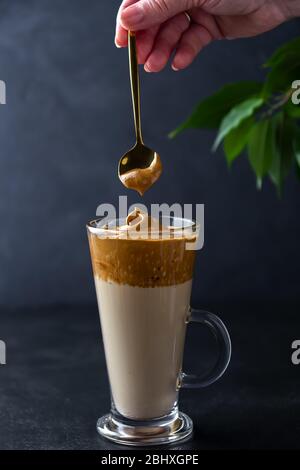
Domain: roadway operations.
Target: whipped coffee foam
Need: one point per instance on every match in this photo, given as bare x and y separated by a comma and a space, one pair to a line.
126, 255
139, 222
141, 179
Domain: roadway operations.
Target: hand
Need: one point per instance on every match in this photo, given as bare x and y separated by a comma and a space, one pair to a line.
186, 26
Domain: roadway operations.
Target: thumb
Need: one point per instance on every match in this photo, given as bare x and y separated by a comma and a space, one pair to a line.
147, 13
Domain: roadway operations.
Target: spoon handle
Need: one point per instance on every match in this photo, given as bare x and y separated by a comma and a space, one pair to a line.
135, 85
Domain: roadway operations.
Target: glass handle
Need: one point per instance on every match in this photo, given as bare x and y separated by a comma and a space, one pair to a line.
219, 330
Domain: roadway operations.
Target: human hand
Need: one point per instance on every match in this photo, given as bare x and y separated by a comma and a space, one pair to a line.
186, 26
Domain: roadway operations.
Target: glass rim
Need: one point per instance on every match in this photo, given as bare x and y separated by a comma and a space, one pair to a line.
93, 227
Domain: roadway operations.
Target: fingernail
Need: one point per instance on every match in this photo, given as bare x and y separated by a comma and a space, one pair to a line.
146, 68
175, 68
117, 45
133, 15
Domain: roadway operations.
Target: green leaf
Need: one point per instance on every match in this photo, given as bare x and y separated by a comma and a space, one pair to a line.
236, 140
210, 112
280, 79
259, 153
296, 146
285, 65
285, 131
286, 143
293, 110
298, 171
275, 171
288, 51
236, 116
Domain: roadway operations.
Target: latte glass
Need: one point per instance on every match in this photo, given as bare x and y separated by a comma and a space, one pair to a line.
143, 289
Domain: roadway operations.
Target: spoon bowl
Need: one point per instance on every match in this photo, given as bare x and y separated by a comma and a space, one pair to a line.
140, 167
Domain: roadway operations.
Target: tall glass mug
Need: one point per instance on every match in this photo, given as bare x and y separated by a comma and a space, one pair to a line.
143, 273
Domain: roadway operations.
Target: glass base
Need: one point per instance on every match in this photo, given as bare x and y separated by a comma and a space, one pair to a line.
146, 433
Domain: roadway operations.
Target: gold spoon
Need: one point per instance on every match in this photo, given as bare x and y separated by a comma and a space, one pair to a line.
140, 167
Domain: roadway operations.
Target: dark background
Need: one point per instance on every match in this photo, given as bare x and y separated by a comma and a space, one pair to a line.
67, 121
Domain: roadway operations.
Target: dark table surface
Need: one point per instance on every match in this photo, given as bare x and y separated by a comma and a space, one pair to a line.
54, 385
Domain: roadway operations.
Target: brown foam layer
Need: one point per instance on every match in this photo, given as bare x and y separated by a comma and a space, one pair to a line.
130, 255
142, 263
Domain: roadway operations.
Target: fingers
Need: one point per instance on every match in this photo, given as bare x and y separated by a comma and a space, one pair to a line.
147, 13
209, 22
121, 38
191, 43
171, 31
166, 41
145, 40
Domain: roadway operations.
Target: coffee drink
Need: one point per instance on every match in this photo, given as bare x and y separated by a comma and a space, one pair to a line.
143, 276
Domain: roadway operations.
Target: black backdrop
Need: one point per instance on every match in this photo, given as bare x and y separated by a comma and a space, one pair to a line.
68, 120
